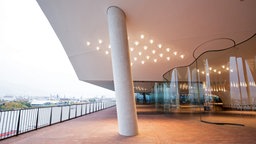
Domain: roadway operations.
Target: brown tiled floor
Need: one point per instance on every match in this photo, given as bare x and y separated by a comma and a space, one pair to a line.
101, 128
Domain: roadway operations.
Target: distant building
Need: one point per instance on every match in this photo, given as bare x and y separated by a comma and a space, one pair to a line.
8, 98
41, 103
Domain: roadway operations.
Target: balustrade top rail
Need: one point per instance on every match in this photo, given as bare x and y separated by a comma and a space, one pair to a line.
15, 122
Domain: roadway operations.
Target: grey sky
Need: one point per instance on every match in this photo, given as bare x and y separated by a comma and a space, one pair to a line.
32, 60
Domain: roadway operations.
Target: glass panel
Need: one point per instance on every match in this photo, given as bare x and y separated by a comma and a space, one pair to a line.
220, 85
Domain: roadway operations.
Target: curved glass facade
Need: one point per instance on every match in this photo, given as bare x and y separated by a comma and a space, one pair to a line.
216, 82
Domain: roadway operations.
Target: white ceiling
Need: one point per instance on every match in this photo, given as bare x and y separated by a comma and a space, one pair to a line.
180, 25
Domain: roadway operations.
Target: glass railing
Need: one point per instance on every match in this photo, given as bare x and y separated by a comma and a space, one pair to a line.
220, 82
15, 122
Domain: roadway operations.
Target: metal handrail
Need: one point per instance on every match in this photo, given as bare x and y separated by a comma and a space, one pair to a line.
16, 122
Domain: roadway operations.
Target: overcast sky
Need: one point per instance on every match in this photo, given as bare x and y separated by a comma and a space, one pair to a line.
32, 59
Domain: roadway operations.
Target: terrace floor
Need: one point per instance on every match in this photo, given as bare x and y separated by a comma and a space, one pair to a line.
101, 128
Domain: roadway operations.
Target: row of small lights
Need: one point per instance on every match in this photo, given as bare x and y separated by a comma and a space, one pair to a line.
140, 88
154, 51
215, 70
140, 53
242, 84
98, 47
215, 89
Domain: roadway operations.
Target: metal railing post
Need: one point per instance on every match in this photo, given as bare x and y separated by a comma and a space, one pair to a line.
37, 118
61, 113
69, 112
89, 111
86, 109
81, 110
18, 125
76, 111
50, 122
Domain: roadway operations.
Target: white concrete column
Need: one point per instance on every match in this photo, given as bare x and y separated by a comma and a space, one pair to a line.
125, 100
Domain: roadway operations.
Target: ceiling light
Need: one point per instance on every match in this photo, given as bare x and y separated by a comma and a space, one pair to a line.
145, 47
223, 66
131, 49
140, 53
159, 45
219, 72
168, 58
88, 43
231, 70
210, 68
135, 58
227, 68
106, 52
131, 64
147, 57
202, 72
182, 56
142, 36
136, 43
151, 41
175, 53
168, 49
153, 51
109, 46
97, 48
214, 70
155, 60
100, 41
161, 55
142, 62
198, 70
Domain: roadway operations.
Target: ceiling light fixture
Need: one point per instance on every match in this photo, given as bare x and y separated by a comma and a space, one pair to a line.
159, 45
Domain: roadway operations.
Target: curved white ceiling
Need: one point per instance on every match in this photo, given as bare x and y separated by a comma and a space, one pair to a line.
176, 27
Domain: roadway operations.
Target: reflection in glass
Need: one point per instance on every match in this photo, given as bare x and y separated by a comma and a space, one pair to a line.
218, 82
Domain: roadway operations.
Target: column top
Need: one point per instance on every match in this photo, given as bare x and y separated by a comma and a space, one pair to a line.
117, 8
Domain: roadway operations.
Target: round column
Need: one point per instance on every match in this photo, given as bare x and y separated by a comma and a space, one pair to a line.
125, 100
